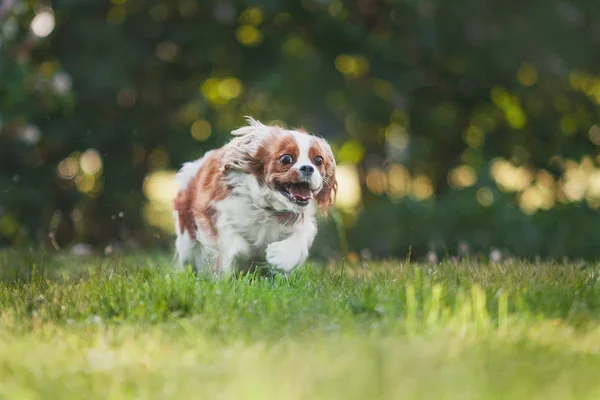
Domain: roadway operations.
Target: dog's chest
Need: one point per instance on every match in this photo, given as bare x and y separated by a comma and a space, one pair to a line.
267, 230
258, 226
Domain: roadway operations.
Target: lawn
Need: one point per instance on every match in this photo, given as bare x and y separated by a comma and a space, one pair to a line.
129, 326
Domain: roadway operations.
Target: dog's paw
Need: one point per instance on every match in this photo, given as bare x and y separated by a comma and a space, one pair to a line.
284, 256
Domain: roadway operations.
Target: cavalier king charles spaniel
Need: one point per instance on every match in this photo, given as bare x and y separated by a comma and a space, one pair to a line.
253, 200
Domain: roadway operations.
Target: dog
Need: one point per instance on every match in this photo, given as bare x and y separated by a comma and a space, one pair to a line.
254, 200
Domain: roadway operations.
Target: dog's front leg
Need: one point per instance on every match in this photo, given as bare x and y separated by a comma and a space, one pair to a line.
287, 254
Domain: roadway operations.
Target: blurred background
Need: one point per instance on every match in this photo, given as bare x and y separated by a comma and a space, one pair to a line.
460, 127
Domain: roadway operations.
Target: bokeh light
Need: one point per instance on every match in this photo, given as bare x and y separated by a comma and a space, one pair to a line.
527, 74
249, 35
160, 188
352, 66
167, 50
510, 105
485, 196
252, 16
296, 46
594, 134
201, 130
421, 188
221, 91
376, 181
30, 134
68, 168
474, 136
351, 152
43, 23
509, 177
349, 192
397, 136
462, 177
90, 162
398, 179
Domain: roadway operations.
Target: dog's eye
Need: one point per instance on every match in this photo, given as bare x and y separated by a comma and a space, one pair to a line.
318, 161
286, 159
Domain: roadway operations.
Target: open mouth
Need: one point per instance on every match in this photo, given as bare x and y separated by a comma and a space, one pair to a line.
298, 193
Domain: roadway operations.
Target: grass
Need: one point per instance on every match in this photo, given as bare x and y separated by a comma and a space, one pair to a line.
130, 327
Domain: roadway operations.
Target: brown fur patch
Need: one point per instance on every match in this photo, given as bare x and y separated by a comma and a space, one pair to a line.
274, 171
326, 197
194, 204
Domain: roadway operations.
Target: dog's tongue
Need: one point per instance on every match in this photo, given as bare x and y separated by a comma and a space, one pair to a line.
301, 192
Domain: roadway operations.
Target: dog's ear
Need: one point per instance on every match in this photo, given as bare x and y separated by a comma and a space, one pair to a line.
243, 152
327, 195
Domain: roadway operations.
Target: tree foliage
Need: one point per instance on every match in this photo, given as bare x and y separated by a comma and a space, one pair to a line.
467, 121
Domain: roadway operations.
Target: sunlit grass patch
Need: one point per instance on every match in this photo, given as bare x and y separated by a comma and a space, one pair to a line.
130, 326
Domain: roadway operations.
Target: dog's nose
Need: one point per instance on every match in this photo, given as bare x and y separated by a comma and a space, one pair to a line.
307, 170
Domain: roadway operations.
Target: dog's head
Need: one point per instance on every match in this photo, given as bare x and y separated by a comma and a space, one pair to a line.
297, 167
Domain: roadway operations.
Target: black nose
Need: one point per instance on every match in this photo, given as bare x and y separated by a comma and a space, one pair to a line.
307, 170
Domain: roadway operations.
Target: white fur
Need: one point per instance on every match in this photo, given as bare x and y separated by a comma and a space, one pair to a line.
244, 146
304, 142
247, 231
253, 125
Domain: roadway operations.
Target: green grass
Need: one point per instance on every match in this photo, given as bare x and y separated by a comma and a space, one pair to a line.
131, 327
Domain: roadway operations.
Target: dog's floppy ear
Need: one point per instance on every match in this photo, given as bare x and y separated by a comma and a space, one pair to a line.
241, 153
327, 195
